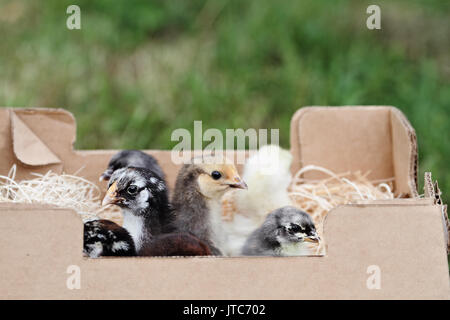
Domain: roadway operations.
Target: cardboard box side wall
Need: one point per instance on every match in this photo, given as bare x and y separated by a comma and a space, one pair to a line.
38, 255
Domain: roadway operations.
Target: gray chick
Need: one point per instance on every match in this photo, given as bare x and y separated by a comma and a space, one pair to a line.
197, 199
285, 232
132, 158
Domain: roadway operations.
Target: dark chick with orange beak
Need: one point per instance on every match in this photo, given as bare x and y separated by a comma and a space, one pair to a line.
197, 198
142, 195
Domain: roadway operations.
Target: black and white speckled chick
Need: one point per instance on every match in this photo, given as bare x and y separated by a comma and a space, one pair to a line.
142, 195
285, 232
132, 158
106, 238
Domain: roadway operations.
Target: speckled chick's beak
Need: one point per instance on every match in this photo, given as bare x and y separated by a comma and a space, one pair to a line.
313, 239
111, 195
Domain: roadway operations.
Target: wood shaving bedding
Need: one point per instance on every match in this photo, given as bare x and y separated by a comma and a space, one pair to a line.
318, 197
61, 190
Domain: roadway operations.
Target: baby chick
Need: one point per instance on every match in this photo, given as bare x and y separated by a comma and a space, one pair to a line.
142, 195
176, 244
285, 232
196, 200
132, 158
268, 176
267, 173
106, 238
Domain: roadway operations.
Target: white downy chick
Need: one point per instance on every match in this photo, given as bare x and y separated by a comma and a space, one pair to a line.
267, 174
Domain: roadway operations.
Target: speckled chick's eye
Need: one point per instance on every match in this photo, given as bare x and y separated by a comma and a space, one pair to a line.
216, 175
132, 190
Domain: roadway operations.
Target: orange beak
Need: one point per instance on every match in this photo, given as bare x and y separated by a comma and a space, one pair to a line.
111, 196
315, 239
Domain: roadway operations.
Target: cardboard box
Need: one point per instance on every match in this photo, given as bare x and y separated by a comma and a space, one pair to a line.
402, 242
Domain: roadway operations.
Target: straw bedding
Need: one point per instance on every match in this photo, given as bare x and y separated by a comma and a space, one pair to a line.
61, 190
318, 197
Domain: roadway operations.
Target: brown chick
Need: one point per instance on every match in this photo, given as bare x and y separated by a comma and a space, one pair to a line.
175, 244
196, 200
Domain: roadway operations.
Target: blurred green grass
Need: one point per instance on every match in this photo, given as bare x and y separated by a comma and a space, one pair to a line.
137, 70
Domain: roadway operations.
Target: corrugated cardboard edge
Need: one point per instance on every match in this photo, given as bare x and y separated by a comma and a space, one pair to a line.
396, 114
412, 170
433, 192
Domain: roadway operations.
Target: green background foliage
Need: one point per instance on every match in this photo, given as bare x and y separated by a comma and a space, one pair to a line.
137, 70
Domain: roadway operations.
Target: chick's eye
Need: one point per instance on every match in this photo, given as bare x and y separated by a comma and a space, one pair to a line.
216, 175
132, 189
295, 228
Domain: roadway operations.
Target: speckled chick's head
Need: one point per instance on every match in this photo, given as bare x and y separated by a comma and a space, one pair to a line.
131, 158
137, 189
216, 175
293, 225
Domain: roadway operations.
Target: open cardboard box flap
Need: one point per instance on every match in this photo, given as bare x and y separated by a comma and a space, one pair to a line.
35, 139
27, 147
379, 140
403, 239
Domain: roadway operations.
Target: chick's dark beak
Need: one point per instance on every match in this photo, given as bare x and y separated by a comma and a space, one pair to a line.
238, 183
111, 196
